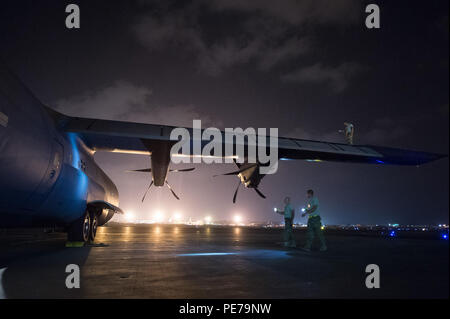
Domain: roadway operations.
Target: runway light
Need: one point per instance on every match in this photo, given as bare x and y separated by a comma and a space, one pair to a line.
158, 217
177, 217
129, 216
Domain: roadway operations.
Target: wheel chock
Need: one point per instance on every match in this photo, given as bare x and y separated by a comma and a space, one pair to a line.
75, 244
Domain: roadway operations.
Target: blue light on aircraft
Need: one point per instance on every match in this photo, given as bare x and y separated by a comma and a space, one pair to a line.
444, 236
82, 185
392, 234
380, 162
83, 179
75, 152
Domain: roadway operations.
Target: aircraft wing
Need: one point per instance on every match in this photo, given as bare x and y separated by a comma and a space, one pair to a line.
128, 137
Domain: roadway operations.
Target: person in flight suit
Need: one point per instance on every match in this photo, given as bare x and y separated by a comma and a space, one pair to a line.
314, 222
289, 215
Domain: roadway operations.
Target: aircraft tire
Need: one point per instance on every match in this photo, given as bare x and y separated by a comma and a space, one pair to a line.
93, 227
79, 230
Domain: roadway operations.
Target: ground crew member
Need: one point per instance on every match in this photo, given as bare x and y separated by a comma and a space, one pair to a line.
289, 215
314, 222
349, 130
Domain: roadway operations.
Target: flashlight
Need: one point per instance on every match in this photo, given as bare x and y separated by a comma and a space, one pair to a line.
275, 209
303, 210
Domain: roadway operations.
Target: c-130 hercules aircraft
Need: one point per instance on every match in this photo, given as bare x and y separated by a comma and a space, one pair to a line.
48, 175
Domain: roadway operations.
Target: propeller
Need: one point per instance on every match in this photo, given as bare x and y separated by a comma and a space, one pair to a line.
147, 191
235, 192
182, 170
172, 191
259, 193
238, 171
147, 170
144, 170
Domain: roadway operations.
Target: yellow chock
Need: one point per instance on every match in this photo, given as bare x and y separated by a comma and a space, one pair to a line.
74, 244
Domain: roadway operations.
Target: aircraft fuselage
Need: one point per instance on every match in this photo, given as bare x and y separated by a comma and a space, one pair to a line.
46, 176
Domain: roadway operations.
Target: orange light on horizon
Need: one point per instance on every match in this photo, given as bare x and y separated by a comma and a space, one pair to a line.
177, 217
158, 217
208, 219
237, 219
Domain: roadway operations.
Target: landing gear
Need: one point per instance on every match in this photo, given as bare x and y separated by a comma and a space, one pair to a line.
79, 230
94, 226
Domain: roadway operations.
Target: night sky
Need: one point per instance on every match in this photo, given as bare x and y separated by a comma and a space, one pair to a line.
302, 66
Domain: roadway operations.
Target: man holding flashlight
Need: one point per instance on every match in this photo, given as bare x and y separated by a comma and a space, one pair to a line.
314, 222
289, 215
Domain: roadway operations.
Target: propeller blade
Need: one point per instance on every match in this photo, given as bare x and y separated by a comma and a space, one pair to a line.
235, 192
147, 191
183, 170
238, 171
259, 193
172, 191
144, 170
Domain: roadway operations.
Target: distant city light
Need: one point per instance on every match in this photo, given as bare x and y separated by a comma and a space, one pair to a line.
129, 216
237, 219
158, 217
177, 217
208, 219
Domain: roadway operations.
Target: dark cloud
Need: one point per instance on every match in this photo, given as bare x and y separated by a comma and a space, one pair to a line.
297, 12
337, 77
124, 101
266, 32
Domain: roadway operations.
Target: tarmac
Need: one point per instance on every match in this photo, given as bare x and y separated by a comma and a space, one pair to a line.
179, 261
